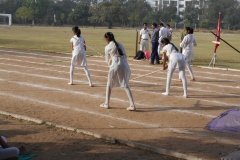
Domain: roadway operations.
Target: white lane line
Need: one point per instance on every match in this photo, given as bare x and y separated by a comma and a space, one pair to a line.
152, 68
162, 108
143, 82
150, 125
212, 78
47, 69
201, 83
35, 54
81, 110
139, 104
91, 95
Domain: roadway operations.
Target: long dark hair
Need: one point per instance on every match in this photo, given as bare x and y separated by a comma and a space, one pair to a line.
110, 36
77, 31
166, 42
188, 29
191, 30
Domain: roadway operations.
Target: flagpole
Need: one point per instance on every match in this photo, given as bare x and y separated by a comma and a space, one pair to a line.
226, 42
217, 42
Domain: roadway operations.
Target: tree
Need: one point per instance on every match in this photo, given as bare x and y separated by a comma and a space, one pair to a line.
229, 10
63, 18
106, 11
80, 14
24, 14
169, 13
192, 14
203, 24
39, 8
138, 11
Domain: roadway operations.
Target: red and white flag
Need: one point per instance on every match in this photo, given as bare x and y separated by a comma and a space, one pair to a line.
218, 31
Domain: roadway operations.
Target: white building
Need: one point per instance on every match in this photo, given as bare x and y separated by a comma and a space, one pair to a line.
180, 4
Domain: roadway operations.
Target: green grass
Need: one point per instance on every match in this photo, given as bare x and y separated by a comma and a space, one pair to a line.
53, 39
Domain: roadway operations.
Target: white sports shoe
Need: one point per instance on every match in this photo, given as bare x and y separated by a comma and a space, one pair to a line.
165, 93
70, 83
131, 108
90, 85
185, 96
104, 106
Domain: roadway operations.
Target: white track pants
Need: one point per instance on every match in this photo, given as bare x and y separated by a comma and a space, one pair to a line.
144, 45
184, 80
7, 153
85, 70
189, 67
128, 91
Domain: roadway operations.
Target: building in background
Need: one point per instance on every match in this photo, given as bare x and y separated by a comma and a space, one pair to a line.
180, 4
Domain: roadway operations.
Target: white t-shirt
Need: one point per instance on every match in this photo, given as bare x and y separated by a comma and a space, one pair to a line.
169, 49
145, 33
163, 33
78, 42
170, 30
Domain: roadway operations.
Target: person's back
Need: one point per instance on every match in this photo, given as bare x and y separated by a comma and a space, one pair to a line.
188, 43
155, 35
164, 33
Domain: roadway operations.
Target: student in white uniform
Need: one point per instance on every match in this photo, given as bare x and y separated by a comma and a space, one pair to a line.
119, 72
163, 33
78, 54
8, 152
176, 60
144, 38
170, 31
187, 44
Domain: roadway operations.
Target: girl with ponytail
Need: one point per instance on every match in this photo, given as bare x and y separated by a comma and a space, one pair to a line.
78, 54
187, 44
119, 72
176, 60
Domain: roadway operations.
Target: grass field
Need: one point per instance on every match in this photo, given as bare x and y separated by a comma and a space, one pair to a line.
53, 39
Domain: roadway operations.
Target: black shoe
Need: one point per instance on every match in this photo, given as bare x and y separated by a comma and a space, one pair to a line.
151, 63
158, 63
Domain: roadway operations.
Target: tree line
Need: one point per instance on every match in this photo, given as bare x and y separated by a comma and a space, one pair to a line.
124, 13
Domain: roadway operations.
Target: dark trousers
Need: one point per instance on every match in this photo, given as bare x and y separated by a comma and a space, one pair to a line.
154, 54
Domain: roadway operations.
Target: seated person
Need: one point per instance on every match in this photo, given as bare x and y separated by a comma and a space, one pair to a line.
7, 152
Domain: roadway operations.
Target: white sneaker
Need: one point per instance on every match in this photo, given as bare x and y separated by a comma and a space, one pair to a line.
165, 93
90, 85
185, 96
131, 108
104, 106
70, 83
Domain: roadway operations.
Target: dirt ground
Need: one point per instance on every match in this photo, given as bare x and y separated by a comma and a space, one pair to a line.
31, 87
50, 143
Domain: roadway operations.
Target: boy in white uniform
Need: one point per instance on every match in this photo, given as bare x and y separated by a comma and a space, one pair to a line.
176, 60
170, 30
163, 33
144, 38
